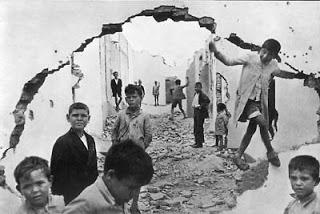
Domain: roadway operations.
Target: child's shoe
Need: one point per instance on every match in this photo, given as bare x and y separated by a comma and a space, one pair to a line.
273, 158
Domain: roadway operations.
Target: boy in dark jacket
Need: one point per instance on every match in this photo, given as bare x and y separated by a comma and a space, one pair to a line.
200, 105
74, 157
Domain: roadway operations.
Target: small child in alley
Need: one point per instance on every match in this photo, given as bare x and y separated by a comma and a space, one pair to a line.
34, 179
221, 126
178, 96
304, 177
135, 125
127, 167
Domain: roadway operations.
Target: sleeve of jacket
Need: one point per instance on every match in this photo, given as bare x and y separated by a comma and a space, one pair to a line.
147, 131
120, 83
59, 166
115, 130
205, 101
78, 206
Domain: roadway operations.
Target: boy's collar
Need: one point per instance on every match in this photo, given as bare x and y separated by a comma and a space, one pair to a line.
135, 111
307, 200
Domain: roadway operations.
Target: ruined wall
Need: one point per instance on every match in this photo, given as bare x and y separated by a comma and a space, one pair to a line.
149, 68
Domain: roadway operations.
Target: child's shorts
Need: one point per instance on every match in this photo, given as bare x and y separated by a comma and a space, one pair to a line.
251, 110
176, 102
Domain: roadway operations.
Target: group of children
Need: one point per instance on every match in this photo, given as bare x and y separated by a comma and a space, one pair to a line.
73, 184
127, 166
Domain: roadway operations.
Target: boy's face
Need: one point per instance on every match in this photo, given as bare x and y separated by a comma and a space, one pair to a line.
78, 118
133, 100
115, 74
302, 183
197, 88
266, 56
35, 189
121, 189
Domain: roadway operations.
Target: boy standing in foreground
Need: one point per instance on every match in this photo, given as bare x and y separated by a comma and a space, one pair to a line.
33, 182
127, 167
135, 125
74, 156
252, 94
304, 176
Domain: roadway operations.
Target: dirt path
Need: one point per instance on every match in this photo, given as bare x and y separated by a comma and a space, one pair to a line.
189, 180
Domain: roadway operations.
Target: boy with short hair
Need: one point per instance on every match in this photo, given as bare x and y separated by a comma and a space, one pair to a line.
178, 96
200, 112
33, 179
127, 167
252, 94
133, 124
221, 126
304, 176
74, 156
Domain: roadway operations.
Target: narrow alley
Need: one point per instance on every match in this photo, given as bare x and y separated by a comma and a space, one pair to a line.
189, 180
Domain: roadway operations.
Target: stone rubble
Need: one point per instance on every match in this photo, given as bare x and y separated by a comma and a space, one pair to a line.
187, 180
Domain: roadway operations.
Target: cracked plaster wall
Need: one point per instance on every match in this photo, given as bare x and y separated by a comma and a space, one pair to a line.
29, 46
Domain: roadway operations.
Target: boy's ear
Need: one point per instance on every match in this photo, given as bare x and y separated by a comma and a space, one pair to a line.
110, 173
67, 117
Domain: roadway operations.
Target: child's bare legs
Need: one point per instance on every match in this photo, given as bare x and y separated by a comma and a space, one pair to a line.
252, 127
181, 109
134, 206
219, 141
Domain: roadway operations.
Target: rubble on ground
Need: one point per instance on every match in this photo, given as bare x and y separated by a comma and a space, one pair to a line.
189, 180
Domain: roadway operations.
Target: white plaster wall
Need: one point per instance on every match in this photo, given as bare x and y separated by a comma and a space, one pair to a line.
30, 31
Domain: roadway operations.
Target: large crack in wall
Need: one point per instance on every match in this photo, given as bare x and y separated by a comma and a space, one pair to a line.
160, 14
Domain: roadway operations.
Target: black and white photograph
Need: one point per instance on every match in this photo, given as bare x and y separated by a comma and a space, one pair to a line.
159, 107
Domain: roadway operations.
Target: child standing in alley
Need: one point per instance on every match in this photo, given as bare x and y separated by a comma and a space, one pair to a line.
304, 176
135, 125
34, 179
252, 94
221, 126
74, 156
178, 96
200, 112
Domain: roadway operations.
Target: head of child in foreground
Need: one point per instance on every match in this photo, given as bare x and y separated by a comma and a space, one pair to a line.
33, 180
78, 116
303, 175
270, 49
198, 87
221, 107
133, 96
127, 168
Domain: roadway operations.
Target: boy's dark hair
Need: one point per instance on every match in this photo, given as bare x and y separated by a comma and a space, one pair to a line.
178, 82
78, 105
221, 107
30, 164
128, 159
198, 83
305, 162
131, 89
